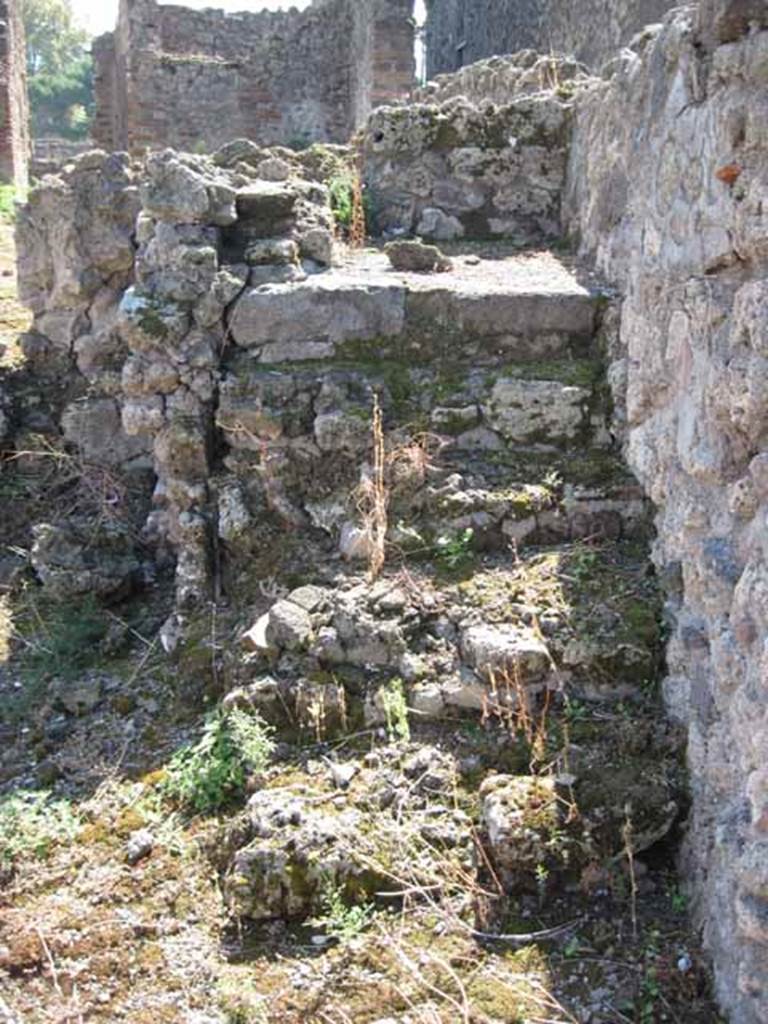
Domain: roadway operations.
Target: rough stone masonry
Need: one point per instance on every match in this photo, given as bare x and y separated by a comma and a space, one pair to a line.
14, 111
668, 192
460, 32
171, 76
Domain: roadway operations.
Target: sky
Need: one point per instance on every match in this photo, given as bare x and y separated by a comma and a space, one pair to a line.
98, 16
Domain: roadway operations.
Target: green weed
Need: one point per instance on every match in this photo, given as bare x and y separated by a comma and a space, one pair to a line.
31, 823
454, 551
68, 639
340, 920
64, 640
205, 776
342, 187
677, 899
395, 708
8, 196
583, 564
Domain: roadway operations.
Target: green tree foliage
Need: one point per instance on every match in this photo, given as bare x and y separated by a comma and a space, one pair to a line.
62, 103
54, 41
59, 69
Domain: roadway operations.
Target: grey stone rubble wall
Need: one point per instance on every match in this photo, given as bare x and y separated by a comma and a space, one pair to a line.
129, 270
172, 76
49, 153
460, 168
668, 192
499, 79
460, 32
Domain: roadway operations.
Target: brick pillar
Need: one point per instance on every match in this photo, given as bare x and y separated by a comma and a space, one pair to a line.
394, 51
14, 107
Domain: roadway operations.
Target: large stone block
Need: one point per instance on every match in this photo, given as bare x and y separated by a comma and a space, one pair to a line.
322, 311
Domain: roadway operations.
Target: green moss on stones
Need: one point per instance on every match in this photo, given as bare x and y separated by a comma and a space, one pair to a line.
153, 324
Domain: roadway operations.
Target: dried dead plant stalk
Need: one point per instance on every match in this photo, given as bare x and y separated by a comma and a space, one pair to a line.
414, 962
71, 1011
627, 833
400, 470
89, 488
373, 496
511, 702
357, 223
6, 628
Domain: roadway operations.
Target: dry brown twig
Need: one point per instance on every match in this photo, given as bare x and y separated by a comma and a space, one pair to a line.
73, 1013
373, 496
512, 703
627, 836
416, 969
357, 224
404, 465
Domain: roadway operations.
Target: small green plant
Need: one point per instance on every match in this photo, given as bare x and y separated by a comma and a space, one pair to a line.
650, 993
253, 738
583, 564
553, 481
241, 1003
678, 900
62, 641
453, 551
67, 642
339, 919
204, 776
31, 823
576, 711
341, 193
8, 197
395, 707
572, 947
351, 204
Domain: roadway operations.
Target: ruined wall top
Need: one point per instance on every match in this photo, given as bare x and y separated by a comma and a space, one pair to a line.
460, 32
194, 79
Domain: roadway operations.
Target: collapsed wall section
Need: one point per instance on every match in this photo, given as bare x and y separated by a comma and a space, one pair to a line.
172, 76
668, 192
14, 109
130, 269
460, 32
449, 168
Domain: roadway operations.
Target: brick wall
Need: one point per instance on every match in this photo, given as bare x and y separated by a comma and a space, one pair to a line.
172, 76
460, 32
14, 110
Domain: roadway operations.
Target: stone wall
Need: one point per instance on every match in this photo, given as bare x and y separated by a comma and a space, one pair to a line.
130, 268
172, 76
460, 32
668, 192
14, 111
500, 79
50, 152
455, 168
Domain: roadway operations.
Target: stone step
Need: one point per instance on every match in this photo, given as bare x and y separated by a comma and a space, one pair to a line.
555, 404
582, 620
520, 307
428, 504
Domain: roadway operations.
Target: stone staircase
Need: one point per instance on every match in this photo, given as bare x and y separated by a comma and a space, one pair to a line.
515, 586
402, 531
